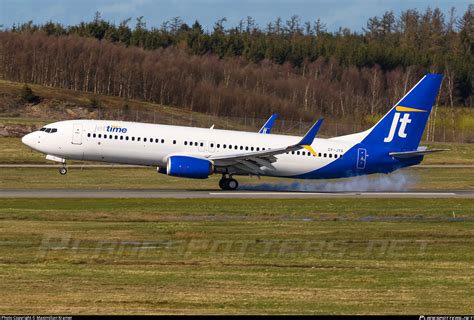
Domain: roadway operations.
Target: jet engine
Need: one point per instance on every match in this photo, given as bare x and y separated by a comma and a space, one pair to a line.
189, 167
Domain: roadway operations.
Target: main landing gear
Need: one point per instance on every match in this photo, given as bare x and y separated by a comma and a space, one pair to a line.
63, 169
228, 183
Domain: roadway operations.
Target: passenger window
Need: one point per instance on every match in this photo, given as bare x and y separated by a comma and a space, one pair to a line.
325, 155
212, 145
93, 136
121, 137
138, 138
126, 138
246, 148
99, 136
224, 146
297, 152
162, 140
241, 148
48, 130
186, 143
236, 147
133, 138
54, 130
157, 140
144, 139
44, 129
330, 155
335, 156
258, 149
251, 149
218, 145
88, 135
174, 142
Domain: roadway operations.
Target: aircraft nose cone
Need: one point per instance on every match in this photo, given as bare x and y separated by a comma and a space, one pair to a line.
28, 140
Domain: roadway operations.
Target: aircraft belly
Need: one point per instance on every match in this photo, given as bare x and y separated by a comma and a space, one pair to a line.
287, 167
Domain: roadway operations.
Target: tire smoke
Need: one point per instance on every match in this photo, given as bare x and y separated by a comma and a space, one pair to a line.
391, 182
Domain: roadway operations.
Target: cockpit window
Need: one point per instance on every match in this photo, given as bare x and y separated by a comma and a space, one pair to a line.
49, 130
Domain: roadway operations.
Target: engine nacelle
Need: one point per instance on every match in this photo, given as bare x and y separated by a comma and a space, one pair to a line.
189, 167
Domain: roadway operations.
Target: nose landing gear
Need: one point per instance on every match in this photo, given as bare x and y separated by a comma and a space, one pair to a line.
63, 169
228, 183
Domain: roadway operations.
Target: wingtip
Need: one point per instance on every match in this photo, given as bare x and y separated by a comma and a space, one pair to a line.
311, 134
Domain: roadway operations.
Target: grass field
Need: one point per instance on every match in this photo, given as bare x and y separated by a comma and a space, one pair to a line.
208, 256
318, 256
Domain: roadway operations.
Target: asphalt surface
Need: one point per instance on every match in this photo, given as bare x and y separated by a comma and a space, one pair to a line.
185, 194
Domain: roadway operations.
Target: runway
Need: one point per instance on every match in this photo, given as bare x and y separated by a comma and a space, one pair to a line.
215, 194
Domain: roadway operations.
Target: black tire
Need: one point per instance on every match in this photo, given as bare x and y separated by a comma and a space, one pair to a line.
232, 184
62, 171
223, 184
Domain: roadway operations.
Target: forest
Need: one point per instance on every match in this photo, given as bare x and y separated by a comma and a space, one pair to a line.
296, 68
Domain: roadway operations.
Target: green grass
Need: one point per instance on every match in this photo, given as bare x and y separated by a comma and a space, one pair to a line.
311, 256
460, 153
146, 178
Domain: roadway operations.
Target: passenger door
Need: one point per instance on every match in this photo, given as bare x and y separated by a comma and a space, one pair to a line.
77, 133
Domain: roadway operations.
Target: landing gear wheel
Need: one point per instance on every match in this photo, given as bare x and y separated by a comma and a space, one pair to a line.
223, 183
228, 184
232, 184
62, 171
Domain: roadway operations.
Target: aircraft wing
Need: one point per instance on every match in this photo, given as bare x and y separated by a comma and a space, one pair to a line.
267, 127
253, 161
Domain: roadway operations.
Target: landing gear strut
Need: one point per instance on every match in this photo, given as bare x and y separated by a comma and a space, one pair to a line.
228, 183
63, 169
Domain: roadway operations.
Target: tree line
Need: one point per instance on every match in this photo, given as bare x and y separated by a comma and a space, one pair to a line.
297, 69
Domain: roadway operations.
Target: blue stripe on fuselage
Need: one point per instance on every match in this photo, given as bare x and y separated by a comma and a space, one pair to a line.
377, 161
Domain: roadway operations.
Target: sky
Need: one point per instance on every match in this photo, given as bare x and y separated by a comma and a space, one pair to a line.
334, 13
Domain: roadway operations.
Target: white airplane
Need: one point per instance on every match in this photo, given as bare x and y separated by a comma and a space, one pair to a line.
197, 153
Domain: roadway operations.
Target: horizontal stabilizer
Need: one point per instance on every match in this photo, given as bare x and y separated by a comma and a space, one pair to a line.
416, 153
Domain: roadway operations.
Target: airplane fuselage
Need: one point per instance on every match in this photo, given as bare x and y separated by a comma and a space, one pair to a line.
152, 145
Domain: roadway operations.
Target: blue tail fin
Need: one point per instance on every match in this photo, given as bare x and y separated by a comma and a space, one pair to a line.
267, 127
402, 127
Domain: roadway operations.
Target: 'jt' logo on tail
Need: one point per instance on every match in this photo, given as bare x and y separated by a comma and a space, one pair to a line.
401, 131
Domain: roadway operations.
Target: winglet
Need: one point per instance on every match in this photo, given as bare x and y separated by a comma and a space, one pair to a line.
267, 127
311, 134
